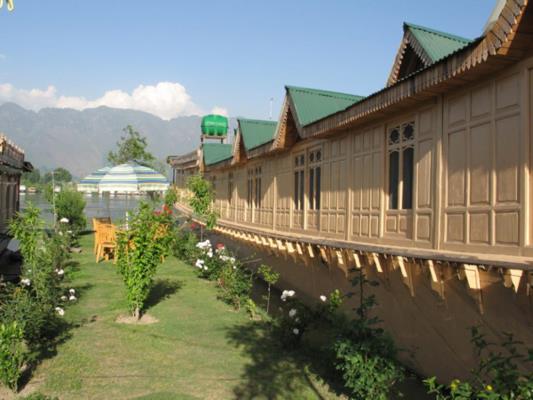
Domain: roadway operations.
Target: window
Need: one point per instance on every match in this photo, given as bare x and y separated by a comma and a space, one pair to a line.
258, 194
230, 187
299, 182
314, 179
401, 143
250, 192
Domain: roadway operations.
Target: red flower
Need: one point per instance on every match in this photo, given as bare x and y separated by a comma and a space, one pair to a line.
220, 246
194, 225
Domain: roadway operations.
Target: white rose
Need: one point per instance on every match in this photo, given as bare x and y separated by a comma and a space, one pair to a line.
64, 220
323, 298
296, 331
292, 312
60, 311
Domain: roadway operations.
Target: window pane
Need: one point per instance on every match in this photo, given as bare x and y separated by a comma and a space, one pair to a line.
296, 187
394, 136
393, 179
408, 132
317, 190
311, 188
302, 190
408, 165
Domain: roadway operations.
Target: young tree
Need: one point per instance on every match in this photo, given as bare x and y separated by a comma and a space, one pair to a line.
270, 277
131, 146
140, 249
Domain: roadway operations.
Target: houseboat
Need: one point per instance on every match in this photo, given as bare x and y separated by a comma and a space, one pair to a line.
426, 184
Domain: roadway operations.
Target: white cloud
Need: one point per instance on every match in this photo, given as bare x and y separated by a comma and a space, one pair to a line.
220, 111
165, 99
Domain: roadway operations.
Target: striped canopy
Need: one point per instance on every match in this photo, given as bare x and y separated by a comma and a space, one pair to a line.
124, 178
90, 182
132, 177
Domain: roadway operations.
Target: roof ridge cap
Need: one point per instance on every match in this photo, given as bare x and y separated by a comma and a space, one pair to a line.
325, 92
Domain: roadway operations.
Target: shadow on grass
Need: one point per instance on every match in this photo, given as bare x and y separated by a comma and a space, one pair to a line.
274, 372
59, 331
162, 289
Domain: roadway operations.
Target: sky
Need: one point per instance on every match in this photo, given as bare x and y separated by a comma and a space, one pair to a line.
173, 57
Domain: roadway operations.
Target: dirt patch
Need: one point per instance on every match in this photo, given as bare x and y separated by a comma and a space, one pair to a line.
146, 319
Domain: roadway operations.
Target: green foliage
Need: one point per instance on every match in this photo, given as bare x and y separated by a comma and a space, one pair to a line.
235, 284
61, 175
171, 197
184, 246
35, 303
498, 375
70, 204
270, 277
132, 146
366, 372
251, 308
202, 199
140, 250
12, 354
31, 177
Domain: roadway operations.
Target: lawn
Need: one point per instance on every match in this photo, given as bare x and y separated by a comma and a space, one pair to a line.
200, 348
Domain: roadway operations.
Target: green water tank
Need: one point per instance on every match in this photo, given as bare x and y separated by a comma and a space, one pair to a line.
214, 125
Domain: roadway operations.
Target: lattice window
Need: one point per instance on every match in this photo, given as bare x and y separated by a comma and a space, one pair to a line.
315, 159
299, 181
401, 150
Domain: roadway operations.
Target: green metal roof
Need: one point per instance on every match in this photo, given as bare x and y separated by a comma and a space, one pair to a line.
437, 45
216, 152
313, 104
256, 132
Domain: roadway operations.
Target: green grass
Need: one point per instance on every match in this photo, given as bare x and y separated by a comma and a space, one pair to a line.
200, 348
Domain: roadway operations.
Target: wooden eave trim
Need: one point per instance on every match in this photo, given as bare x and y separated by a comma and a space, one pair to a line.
395, 70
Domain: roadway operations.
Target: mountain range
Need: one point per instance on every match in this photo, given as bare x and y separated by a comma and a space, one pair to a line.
80, 140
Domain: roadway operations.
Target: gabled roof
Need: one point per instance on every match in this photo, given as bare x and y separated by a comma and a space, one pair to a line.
256, 132
214, 153
312, 104
421, 47
437, 45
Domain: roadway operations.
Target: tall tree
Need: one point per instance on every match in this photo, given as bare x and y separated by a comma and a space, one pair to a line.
131, 146
60, 175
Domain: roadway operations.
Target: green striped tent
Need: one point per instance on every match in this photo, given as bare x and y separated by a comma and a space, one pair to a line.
132, 177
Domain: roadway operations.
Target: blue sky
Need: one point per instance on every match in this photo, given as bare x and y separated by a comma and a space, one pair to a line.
230, 54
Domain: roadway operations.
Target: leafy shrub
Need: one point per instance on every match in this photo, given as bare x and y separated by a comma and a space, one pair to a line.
12, 354
235, 284
70, 205
35, 303
140, 250
497, 377
184, 246
365, 371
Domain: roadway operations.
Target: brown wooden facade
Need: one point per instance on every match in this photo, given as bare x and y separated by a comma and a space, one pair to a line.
429, 180
12, 165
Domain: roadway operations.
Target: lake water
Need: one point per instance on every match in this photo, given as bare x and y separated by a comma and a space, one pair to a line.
97, 206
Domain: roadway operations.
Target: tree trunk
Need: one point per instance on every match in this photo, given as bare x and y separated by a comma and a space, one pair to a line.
137, 313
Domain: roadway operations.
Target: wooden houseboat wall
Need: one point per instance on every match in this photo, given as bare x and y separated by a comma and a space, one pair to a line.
431, 193
12, 164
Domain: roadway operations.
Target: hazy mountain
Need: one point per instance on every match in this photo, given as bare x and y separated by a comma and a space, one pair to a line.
80, 140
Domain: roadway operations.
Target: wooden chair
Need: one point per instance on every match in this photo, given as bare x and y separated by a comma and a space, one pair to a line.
107, 241
96, 225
